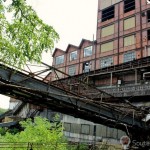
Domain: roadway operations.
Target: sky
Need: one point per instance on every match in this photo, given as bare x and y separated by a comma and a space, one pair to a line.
72, 20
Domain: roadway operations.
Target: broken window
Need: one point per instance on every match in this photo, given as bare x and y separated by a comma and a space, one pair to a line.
105, 62
148, 35
86, 66
148, 16
129, 5
108, 13
129, 56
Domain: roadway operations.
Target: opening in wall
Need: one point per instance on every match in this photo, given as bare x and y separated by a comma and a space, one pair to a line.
148, 35
86, 66
148, 16
129, 5
108, 13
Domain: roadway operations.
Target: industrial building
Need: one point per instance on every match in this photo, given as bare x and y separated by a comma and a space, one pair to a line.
117, 62
123, 35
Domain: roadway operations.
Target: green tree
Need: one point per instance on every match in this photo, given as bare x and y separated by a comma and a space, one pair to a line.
2, 110
26, 36
40, 132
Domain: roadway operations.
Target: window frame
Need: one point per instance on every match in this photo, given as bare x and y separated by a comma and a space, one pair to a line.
87, 125
108, 16
74, 70
126, 10
127, 19
102, 36
102, 65
87, 48
129, 36
88, 68
71, 56
148, 35
148, 15
127, 53
68, 124
58, 63
110, 42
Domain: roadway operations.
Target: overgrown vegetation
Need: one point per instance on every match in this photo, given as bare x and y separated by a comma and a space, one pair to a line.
39, 134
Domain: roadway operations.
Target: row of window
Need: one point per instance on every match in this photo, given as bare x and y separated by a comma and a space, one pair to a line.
130, 40
87, 129
109, 30
109, 12
127, 41
73, 55
128, 24
104, 62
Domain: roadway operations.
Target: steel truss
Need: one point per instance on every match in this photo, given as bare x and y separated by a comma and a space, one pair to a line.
29, 87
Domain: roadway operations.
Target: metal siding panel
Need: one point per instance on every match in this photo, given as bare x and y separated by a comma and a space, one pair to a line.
109, 30
106, 3
130, 40
101, 131
129, 23
107, 47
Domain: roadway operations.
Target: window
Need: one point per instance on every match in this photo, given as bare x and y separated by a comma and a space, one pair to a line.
108, 13
129, 40
67, 127
129, 56
129, 5
109, 30
85, 129
73, 55
88, 51
86, 66
148, 35
107, 46
59, 60
72, 70
129, 23
105, 62
148, 15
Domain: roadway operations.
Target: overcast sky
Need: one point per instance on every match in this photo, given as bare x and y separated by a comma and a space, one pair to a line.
72, 19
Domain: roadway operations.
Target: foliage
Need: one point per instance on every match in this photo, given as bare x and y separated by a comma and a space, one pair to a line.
41, 133
2, 110
26, 36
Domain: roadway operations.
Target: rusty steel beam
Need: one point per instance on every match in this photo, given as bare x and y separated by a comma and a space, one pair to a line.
38, 92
